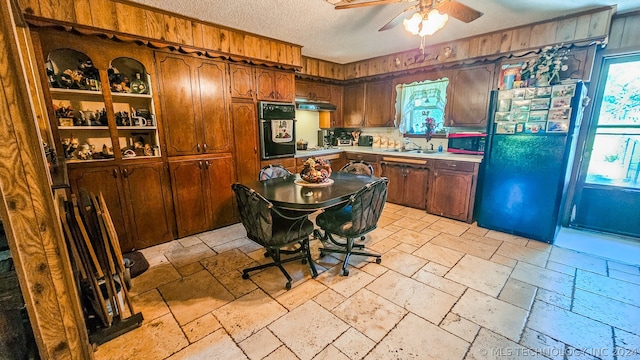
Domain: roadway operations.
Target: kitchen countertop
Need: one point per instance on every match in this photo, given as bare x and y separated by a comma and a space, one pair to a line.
390, 152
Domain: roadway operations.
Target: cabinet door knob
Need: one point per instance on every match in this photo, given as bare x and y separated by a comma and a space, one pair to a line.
125, 173
198, 147
204, 147
251, 93
115, 173
200, 164
206, 164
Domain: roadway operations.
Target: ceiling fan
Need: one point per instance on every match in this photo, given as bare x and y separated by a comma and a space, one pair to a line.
419, 11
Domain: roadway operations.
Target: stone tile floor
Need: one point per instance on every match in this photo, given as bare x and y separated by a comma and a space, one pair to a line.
444, 290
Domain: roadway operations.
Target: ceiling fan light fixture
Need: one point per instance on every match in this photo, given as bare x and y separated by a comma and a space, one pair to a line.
434, 22
413, 23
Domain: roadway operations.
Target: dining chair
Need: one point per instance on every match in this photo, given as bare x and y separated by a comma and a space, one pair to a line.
272, 171
355, 219
274, 230
358, 167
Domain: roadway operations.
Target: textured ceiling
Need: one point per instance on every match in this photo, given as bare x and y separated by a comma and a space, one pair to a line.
344, 36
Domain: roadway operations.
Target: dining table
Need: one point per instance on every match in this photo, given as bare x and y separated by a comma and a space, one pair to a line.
292, 193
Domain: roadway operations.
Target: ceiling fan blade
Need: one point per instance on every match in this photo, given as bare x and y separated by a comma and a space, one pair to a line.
398, 19
363, 4
459, 11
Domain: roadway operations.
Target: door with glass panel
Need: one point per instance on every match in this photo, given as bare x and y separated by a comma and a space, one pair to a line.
607, 196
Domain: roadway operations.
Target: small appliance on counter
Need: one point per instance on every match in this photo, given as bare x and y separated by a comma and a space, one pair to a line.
466, 143
344, 139
365, 140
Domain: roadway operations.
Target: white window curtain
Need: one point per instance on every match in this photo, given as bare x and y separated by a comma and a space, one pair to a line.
405, 105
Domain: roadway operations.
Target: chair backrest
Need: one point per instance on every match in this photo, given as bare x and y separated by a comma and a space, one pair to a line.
272, 171
358, 167
367, 205
255, 213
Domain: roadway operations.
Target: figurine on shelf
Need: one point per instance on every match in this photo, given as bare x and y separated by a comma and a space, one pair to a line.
107, 152
69, 146
117, 81
84, 153
122, 118
148, 151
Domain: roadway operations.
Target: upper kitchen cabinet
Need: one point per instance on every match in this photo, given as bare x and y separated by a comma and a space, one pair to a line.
194, 104
353, 106
313, 91
245, 133
242, 81
378, 104
469, 100
336, 119
275, 85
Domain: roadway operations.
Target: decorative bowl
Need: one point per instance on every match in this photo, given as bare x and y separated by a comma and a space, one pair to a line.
315, 171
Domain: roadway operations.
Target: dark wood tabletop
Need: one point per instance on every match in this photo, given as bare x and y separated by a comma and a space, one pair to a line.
286, 194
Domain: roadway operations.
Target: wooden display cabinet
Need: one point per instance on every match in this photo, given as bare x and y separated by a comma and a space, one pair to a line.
275, 85
453, 188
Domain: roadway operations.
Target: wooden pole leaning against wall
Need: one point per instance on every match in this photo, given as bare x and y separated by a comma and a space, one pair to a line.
28, 211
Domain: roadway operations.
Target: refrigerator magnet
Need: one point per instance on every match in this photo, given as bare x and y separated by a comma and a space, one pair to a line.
535, 127
540, 104
563, 90
529, 93
505, 128
505, 94
543, 91
537, 116
519, 127
520, 116
557, 126
561, 102
518, 94
560, 114
502, 117
521, 105
504, 105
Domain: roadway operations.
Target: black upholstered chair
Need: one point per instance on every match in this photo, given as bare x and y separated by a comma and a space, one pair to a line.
273, 171
274, 230
357, 218
358, 167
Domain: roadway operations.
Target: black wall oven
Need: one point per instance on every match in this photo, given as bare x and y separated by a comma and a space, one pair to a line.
277, 129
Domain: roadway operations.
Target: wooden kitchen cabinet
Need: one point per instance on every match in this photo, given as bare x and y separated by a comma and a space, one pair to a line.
242, 81
368, 158
202, 192
452, 190
471, 89
194, 104
138, 199
313, 91
336, 117
353, 106
408, 181
245, 133
378, 103
337, 161
287, 163
275, 85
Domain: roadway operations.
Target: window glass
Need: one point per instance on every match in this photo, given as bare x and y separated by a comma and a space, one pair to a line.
418, 101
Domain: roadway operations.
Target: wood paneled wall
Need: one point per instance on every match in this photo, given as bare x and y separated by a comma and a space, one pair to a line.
581, 28
145, 23
625, 31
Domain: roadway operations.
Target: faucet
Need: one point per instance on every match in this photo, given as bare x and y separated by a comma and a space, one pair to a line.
406, 141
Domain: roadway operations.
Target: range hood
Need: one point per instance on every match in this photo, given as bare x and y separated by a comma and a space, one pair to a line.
314, 105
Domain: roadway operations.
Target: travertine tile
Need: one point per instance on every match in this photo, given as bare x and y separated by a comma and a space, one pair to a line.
154, 277
449, 227
578, 260
416, 338
503, 260
430, 232
301, 294
474, 229
193, 296
507, 237
354, 344
522, 253
215, 346
623, 267
554, 298
308, 329
479, 274
439, 254
411, 237
569, 327
543, 278
624, 276
159, 250
409, 249
518, 293
411, 213
260, 344
384, 245
496, 315
386, 221
440, 283
608, 287
475, 248
402, 262
329, 299
626, 340
282, 353
377, 235
150, 304
155, 340
370, 314
543, 344
436, 269
248, 314
429, 218
180, 257
612, 312
576, 354
422, 300
374, 269
482, 239
491, 346
223, 235
243, 244
539, 245
390, 227
346, 285
460, 327
190, 241
331, 353
410, 223
227, 261
393, 207
565, 269
190, 269
201, 327
235, 284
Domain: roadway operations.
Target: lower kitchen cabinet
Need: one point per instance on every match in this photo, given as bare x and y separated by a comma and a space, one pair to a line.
337, 161
408, 182
202, 193
137, 196
368, 158
245, 133
452, 190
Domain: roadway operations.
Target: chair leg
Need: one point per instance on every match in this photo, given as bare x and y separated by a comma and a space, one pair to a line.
338, 243
312, 266
305, 255
347, 249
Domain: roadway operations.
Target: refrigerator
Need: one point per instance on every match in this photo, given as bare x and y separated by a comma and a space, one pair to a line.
531, 140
